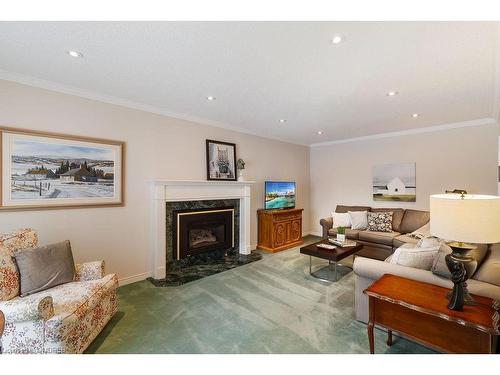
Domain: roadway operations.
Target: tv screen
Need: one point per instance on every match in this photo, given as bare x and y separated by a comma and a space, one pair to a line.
279, 195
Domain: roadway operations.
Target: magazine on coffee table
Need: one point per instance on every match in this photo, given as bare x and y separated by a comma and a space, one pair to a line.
346, 243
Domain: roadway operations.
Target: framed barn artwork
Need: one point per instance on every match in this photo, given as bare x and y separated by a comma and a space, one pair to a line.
394, 182
221, 161
48, 170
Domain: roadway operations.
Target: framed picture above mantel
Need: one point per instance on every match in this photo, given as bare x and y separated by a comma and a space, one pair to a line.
221, 161
48, 170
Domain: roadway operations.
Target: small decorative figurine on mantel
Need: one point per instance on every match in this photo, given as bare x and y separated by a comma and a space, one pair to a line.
240, 165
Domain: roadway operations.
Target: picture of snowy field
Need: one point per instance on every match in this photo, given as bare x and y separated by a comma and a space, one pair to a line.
41, 169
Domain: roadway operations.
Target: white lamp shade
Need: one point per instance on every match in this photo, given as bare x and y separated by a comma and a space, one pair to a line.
473, 218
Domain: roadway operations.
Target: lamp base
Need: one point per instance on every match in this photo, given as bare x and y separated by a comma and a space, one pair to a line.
461, 266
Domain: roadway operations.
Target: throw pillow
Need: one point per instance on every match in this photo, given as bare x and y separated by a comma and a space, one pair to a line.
45, 267
9, 277
409, 255
439, 266
380, 221
359, 219
489, 272
341, 220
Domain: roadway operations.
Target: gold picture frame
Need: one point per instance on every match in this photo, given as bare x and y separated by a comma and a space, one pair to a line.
44, 170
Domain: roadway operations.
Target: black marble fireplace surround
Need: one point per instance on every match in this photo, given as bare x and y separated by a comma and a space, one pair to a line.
183, 266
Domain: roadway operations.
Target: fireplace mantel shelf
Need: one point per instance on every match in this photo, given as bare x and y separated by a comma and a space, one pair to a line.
199, 182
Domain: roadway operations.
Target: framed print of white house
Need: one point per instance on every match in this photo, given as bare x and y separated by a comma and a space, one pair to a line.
394, 182
47, 170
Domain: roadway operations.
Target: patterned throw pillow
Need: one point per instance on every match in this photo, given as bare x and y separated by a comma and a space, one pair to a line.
380, 221
9, 278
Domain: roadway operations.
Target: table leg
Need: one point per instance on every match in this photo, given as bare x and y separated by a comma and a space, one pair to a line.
310, 265
389, 337
371, 340
335, 274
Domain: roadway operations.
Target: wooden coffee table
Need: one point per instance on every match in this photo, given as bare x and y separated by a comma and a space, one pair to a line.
333, 256
418, 311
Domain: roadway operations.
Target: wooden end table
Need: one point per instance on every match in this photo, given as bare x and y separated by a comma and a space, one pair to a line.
418, 311
333, 256
2, 326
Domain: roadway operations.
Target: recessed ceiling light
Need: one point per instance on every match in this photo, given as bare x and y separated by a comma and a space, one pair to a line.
73, 53
319, 132
282, 121
211, 98
337, 39
415, 115
392, 93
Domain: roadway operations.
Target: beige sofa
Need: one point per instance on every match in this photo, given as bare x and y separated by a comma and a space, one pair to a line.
484, 282
379, 245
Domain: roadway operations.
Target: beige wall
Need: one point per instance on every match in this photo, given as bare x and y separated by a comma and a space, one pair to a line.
157, 147
457, 158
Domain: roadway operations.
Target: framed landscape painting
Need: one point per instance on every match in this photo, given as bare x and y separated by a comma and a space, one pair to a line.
221, 160
46, 170
394, 182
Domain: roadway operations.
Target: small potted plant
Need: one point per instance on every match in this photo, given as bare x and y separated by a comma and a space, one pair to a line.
341, 234
240, 165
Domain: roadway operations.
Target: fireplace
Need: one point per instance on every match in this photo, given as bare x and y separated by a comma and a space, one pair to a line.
199, 231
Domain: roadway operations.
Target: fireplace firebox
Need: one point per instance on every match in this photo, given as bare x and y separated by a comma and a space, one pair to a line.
198, 231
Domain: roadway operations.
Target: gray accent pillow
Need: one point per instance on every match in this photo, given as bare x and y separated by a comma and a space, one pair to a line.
441, 269
359, 219
45, 267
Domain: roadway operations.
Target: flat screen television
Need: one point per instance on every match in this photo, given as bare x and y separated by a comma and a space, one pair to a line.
279, 194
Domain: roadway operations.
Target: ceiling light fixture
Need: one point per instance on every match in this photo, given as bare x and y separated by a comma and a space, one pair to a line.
210, 98
76, 54
337, 39
415, 115
319, 132
392, 93
282, 120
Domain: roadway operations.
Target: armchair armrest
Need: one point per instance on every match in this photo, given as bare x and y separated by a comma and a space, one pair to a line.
90, 271
326, 223
28, 309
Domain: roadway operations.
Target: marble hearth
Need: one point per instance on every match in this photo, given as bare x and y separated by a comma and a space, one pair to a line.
170, 195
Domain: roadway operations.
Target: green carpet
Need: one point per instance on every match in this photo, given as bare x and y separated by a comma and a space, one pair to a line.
269, 306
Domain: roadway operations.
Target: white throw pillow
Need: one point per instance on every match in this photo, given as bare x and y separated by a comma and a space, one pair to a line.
359, 219
409, 255
341, 220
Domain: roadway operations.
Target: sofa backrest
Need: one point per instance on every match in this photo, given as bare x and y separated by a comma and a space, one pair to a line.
343, 209
397, 216
489, 270
413, 219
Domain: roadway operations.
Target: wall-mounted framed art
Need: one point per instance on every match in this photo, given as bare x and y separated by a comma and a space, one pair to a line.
48, 170
394, 182
221, 161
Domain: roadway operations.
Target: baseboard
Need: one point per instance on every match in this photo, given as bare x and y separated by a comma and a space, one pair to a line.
133, 279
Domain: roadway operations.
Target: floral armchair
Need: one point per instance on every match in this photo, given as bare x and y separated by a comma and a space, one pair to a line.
63, 319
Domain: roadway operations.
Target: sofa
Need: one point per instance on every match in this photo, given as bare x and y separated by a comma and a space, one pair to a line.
62, 319
484, 282
380, 245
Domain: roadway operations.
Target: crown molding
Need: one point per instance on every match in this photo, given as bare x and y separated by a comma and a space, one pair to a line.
428, 129
75, 91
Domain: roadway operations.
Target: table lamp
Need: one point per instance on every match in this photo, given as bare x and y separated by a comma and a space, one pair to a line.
464, 219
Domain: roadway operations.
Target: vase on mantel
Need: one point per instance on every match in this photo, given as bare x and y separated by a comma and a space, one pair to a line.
241, 176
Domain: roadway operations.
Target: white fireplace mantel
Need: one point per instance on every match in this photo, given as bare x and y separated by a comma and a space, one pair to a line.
163, 191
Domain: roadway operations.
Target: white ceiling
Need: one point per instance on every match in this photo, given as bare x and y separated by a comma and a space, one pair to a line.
261, 72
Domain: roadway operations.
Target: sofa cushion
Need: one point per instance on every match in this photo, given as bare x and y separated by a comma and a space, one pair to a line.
359, 219
45, 267
489, 270
409, 255
402, 239
9, 277
345, 209
352, 234
397, 216
384, 238
413, 220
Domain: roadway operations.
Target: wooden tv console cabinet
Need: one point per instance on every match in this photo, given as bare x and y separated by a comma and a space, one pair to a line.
279, 229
